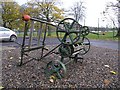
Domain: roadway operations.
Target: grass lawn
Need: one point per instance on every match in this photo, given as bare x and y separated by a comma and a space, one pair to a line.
106, 36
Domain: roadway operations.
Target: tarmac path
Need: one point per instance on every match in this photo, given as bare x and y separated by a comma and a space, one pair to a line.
53, 41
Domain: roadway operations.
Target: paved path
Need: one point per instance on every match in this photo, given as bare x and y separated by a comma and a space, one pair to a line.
105, 44
51, 41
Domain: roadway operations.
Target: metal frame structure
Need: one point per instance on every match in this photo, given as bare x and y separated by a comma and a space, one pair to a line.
73, 36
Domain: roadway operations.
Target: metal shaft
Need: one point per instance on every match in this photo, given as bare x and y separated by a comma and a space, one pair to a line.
23, 43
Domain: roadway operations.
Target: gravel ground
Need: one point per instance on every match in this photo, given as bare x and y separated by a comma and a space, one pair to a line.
94, 72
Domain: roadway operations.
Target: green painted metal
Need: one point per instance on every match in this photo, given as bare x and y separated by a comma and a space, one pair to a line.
65, 50
83, 46
85, 31
68, 31
56, 69
74, 44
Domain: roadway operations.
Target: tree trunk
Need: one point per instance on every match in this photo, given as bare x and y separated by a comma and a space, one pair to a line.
7, 25
4, 24
118, 33
49, 31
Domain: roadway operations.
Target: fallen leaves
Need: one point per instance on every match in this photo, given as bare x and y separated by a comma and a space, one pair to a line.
106, 82
107, 66
9, 51
11, 58
113, 72
19, 57
52, 79
1, 87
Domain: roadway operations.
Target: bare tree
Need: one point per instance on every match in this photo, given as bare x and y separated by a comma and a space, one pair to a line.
118, 5
78, 10
115, 15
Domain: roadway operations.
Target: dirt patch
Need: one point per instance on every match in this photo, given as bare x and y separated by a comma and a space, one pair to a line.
94, 72
6, 48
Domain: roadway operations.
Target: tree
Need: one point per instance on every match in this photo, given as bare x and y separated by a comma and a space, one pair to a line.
47, 10
118, 6
10, 14
115, 15
1, 21
78, 10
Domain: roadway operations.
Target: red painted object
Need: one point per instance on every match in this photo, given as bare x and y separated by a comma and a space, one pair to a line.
26, 17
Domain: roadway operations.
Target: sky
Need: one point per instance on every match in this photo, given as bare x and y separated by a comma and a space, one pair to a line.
94, 8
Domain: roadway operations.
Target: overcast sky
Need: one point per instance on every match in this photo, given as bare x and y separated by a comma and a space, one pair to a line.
94, 8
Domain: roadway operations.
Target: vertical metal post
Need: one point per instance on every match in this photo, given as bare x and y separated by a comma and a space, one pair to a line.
98, 27
23, 43
31, 33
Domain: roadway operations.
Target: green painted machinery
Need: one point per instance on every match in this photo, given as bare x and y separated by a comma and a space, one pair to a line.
73, 44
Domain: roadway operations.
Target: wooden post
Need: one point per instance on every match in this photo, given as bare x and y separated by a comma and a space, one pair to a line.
31, 34
39, 33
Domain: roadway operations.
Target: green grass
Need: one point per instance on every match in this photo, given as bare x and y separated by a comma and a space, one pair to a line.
20, 35
107, 36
